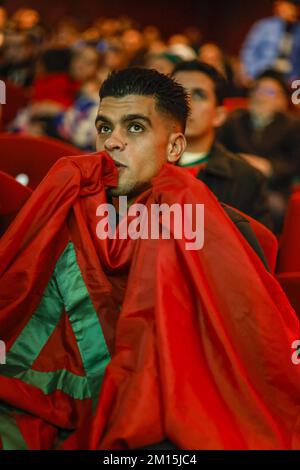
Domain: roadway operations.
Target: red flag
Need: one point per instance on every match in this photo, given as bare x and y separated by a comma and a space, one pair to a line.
200, 341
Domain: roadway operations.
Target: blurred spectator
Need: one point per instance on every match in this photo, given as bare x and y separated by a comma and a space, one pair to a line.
183, 51
194, 36
179, 45
213, 55
151, 34
53, 91
54, 82
231, 179
134, 46
163, 63
3, 20
114, 55
176, 39
84, 64
25, 19
20, 51
269, 132
274, 42
153, 41
65, 35
76, 124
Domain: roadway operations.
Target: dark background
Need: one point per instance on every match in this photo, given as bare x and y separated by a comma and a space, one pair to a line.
225, 22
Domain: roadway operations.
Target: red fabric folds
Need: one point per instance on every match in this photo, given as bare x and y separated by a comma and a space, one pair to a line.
202, 346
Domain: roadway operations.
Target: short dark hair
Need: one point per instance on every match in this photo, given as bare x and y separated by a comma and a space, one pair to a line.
211, 72
171, 98
277, 77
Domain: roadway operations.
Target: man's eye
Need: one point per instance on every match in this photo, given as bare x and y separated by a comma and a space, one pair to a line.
103, 129
199, 94
135, 128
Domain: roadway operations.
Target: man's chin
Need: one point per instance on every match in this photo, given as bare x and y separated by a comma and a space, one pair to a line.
115, 192
192, 134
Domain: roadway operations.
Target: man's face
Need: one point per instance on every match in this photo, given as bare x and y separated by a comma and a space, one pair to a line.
268, 98
204, 109
139, 138
288, 11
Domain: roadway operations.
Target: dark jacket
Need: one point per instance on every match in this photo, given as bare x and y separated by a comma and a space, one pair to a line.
236, 183
279, 142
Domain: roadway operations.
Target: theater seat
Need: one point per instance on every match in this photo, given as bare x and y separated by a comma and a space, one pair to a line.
289, 253
235, 102
31, 156
288, 272
12, 198
290, 282
17, 98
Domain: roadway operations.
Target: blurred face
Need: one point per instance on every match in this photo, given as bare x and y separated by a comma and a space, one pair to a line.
17, 48
3, 17
205, 113
286, 10
115, 58
139, 138
132, 41
85, 64
268, 98
161, 64
212, 55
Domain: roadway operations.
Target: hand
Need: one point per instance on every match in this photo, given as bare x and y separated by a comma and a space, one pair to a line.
260, 163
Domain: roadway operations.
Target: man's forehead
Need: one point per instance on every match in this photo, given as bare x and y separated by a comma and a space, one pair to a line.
131, 104
194, 79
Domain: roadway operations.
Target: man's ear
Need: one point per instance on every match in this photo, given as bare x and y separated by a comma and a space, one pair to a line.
176, 147
221, 115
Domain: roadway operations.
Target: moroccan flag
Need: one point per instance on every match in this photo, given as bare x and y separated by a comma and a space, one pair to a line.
121, 343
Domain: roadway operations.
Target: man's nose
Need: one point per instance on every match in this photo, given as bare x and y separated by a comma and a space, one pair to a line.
115, 142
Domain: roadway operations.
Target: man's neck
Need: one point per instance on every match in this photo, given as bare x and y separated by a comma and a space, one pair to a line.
122, 210
200, 145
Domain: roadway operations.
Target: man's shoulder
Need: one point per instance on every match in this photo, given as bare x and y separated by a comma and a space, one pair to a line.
238, 164
269, 21
238, 115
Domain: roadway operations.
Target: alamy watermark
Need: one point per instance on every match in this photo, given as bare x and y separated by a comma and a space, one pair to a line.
2, 353
159, 221
296, 353
296, 94
2, 92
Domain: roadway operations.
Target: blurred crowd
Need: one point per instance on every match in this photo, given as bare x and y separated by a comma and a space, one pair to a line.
60, 70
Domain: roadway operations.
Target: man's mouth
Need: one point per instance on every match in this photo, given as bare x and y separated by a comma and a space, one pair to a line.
119, 165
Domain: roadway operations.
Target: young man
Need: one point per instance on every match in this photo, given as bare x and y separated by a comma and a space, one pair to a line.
229, 177
129, 341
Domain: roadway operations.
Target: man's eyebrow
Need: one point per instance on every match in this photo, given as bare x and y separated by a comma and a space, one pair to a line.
138, 117
102, 118
124, 119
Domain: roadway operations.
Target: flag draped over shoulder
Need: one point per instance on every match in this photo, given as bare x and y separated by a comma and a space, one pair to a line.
116, 344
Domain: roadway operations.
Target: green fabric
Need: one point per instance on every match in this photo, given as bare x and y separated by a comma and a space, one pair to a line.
36, 333
66, 290
197, 162
84, 320
73, 385
10, 434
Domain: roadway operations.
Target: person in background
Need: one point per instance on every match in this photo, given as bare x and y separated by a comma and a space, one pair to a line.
269, 137
274, 42
229, 176
20, 50
75, 125
3, 21
53, 91
212, 54
163, 63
